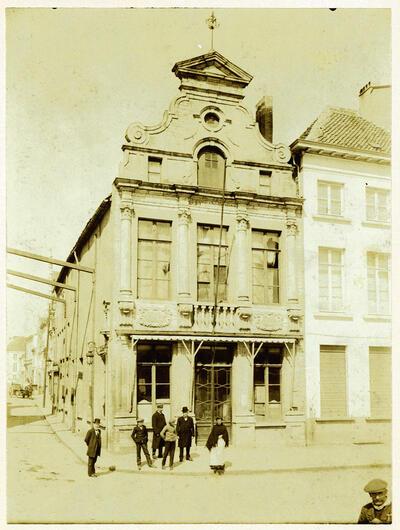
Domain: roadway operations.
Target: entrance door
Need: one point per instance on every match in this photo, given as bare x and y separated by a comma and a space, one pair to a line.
212, 390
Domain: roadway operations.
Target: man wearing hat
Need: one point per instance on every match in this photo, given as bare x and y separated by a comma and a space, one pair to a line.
379, 510
185, 432
93, 442
158, 423
140, 437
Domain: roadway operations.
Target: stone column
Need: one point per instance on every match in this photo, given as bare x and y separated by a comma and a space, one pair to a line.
243, 421
242, 257
292, 264
181, 379
125, 301
183, 253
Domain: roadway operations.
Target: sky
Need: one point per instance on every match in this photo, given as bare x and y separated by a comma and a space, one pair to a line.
76, 78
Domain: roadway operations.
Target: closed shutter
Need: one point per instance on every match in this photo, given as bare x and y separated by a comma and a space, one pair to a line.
333, 381
380, 380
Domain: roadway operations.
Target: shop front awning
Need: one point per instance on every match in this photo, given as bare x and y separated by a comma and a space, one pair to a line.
214, 338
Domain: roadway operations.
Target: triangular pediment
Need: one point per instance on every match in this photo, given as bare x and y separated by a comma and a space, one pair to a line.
212, 66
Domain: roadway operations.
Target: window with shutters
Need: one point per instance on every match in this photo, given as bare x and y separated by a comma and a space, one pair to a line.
380, 382
333, 388
211, 168
330, 198
267, 383
207, 263
378, 283
153, 372
330, 279
154, 254
154, 169
377, 205
265, 267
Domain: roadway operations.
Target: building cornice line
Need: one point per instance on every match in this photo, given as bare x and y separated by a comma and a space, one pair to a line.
340, 151
130, 184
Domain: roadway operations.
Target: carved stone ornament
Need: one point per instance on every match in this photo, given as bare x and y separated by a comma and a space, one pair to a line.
243, 221
136, 134
282, 153
184, 215
294, 316
154, 316
126, 308
244, 314
291, 226
186, 314
127, 210
269, 321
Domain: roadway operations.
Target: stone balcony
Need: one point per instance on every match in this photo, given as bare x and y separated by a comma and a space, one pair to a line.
225, 322
197, 317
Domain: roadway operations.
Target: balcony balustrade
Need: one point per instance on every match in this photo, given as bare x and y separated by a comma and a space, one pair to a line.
203, 317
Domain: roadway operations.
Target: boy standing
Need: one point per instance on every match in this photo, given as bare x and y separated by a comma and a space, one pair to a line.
140, 437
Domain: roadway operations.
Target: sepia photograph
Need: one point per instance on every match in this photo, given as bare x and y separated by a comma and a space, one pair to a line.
198, 265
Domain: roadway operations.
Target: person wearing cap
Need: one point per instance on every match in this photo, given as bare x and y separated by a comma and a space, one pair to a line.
158, 423
379, 510
93, 442
185, 431
169, 435
140, 437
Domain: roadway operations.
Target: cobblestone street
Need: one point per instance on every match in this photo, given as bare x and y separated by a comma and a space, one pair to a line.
47, 483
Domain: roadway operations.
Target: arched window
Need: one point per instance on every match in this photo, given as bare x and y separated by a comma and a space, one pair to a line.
211, 168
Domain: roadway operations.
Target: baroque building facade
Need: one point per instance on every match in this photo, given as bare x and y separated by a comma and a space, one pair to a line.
197, 292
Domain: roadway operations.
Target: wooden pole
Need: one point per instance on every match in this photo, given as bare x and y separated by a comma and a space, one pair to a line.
36, 293
39, 279
46, 354
38, 257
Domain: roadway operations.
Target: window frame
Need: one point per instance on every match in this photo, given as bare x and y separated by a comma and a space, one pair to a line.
213, 247
267, 287
154, 295
266, 365
330, 266
329, 185
342, 350
153, 364
150, 174
376, 192
209, 176
377, 270
265, 174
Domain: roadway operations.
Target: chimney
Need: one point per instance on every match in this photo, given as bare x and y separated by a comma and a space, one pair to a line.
264, 117
375, 104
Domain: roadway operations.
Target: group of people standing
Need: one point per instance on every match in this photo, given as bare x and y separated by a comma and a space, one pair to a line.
165, 436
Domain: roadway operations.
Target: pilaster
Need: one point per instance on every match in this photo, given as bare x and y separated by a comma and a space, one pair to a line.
184, 218
125, 299
181, 380
243, 421
242, 230
292, 263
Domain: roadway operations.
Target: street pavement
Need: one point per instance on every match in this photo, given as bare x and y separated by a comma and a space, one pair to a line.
48, 483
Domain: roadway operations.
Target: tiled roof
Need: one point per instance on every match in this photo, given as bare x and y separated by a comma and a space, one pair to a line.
346, 128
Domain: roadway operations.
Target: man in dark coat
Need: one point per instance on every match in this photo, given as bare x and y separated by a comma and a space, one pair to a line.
379, 511
158, 423
185, 432
140, 437
93, 442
